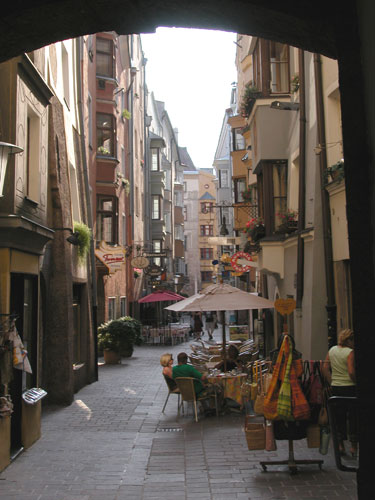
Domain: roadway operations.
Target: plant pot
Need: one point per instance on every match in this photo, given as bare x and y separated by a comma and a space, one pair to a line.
287, 228
127, 351
257, 233
111, 357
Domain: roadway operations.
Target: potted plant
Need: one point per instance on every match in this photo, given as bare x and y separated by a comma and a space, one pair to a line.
83, 234
247, 194
295, 83
251, 94
255, 229
117, 338
123, 182
335, 172
103, 151
289, 222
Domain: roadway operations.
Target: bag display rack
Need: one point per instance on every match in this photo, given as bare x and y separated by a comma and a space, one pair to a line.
291, 461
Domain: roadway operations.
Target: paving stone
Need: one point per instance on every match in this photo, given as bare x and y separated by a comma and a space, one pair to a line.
113, 443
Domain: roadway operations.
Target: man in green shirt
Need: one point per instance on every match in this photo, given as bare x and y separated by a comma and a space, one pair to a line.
207, 389
185, 370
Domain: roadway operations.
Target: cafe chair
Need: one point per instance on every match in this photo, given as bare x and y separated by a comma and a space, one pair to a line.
186, 386
172, 389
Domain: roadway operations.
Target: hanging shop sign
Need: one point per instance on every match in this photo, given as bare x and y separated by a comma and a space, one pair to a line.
241, 262
285, 306
113, 257
151, 255
153, 270
141, 262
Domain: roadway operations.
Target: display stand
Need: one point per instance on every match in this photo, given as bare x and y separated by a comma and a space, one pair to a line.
291, 462
285, 307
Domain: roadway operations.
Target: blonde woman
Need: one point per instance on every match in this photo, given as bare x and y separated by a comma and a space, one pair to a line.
339, 370
166, 362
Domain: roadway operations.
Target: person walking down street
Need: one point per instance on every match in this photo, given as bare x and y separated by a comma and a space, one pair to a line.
210, 324
339, 370
198, 324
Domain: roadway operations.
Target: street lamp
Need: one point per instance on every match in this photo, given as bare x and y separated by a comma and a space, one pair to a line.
6, 150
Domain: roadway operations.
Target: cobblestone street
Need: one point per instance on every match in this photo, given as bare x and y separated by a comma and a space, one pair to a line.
115, 443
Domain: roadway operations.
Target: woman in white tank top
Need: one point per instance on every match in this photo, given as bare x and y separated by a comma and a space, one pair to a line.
339, 370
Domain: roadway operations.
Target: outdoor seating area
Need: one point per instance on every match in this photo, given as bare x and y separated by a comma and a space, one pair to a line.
172, 334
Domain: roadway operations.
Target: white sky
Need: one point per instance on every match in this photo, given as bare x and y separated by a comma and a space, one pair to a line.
192, 71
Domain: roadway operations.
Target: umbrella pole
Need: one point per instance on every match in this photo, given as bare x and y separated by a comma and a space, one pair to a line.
224, 340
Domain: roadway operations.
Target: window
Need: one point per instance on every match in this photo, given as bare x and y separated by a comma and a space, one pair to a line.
238, 140
111, 308
185, 187
272, 193
90, 124
122, 307
179, 198
207, 253
155, 163
206, 275
279, 184
104, 57
123, 162
207, 230
186, 240
106, 219
168, 180
156, 207
179, 232
224, 178
65, 74
239, 187
105, 134
207, 207
185, 213
168, 222
123, 229
32, 156
279, 67
74, 193
157, 246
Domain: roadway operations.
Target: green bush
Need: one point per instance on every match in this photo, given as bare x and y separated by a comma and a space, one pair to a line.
119, 334
84, 239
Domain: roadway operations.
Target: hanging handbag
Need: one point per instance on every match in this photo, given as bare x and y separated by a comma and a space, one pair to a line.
270, 401
254, 383
300, 405
270, 437
284, 401
325, 436
313, 436
259, 402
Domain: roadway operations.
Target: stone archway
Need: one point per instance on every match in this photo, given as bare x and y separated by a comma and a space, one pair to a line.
334, 29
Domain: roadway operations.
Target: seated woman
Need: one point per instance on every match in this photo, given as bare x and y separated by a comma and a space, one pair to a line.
166, 361
232, 362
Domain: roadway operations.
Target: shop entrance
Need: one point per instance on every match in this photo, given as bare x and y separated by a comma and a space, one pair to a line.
24, 304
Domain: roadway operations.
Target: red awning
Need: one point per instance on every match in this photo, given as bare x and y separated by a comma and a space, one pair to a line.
161, 296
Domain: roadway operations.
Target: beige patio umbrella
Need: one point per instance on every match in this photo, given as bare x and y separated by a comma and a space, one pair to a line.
221, 297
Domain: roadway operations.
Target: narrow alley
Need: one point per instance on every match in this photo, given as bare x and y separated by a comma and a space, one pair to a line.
115, 443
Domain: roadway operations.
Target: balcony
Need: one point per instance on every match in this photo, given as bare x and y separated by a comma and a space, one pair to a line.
158, 229
158, 183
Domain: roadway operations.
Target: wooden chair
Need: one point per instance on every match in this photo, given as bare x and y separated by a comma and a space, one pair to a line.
186, 386
172, 389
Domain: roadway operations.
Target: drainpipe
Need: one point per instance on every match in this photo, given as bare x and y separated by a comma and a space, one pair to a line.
79, 52
302, 178
328, 257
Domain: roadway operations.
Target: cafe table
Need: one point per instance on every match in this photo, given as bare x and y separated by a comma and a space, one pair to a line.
231, 385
